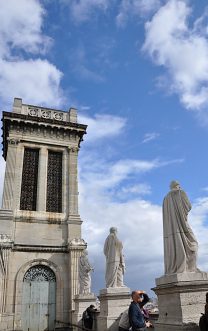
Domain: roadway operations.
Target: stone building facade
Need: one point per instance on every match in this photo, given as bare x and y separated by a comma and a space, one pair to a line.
40, 226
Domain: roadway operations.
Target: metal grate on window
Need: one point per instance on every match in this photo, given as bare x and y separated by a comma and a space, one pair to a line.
54, 182
28, 196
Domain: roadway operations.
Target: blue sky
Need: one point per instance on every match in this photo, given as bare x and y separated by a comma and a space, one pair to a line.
137, 71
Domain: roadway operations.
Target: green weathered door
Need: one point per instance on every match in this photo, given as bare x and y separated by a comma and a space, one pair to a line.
39, 299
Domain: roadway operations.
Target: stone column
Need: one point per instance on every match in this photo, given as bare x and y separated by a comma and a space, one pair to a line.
8, 192
76, 247
42, 179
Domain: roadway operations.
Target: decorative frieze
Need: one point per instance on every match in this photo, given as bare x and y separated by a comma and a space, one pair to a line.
46, 113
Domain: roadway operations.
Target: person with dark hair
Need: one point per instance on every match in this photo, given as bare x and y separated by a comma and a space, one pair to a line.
87, 317
203, 321
136, 316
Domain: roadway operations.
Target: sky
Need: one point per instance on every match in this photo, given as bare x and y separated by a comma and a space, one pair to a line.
137, 71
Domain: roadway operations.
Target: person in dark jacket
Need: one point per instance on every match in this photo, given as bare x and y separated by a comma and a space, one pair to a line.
136, 317
88, 317
203, 322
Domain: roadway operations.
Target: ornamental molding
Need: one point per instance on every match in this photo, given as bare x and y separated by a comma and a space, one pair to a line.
77, 242
39, 273
46, 113
74, 149
5, 238
13, 141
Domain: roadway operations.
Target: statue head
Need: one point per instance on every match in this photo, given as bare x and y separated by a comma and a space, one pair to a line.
174, 185
113, 230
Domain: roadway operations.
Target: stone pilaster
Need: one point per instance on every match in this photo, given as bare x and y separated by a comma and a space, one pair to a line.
5, 248
73, 183
42, 179
74, 221
76, 247
65, 183
8, 192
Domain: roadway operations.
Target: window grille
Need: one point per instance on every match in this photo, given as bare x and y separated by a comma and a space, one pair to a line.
28, 196
54, 182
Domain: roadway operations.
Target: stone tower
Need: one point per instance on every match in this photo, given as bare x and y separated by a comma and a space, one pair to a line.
40, 226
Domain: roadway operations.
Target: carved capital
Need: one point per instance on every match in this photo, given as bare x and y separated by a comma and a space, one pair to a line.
77, 242
13, 141
5, 239
73, 149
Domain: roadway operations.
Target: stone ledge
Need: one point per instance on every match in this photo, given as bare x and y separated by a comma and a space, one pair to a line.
182, 277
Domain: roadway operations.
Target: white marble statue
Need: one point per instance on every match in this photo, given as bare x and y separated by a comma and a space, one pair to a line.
115, 265
84, 274
180, 244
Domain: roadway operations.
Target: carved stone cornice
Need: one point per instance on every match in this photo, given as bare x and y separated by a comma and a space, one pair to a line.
52, 125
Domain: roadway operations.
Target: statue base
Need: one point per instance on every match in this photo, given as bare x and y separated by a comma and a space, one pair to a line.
82, 302
113, 302
181, 300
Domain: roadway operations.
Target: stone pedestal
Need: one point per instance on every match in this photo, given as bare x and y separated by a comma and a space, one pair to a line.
82, 302
113, 302
181, 300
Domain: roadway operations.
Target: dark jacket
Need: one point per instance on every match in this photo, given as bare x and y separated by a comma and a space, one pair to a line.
136, 317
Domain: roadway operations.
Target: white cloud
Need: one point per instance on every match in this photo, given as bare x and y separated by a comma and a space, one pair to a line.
182, 50
150, 136
82, 10
130, 8
21, 27
34, 80
139, 189
137, 220
102, 126
199, 221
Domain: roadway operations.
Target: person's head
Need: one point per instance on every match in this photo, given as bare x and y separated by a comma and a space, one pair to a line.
92, 306
113, 230
136, 296
174, 185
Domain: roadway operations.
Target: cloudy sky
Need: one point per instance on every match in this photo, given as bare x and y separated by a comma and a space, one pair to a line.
137, 71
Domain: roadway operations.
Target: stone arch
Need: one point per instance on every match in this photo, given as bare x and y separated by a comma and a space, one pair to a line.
18, 288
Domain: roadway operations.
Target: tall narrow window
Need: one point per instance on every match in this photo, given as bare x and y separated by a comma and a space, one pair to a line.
28, 196
54, 182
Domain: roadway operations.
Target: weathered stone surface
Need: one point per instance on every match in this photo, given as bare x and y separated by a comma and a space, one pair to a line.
181, 300
39, 237
113, 302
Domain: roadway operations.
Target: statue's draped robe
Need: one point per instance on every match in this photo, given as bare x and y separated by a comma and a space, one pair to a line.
114, 261
84, 275
180, 244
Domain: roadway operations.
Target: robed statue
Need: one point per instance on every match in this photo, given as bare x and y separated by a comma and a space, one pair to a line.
84, 271
180, 244
115, 265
